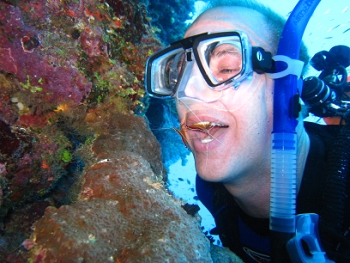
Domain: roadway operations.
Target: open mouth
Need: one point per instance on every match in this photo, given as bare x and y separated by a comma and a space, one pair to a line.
209, 128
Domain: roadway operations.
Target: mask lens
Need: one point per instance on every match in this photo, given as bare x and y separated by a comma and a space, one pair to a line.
173, 67
221, 60
164, 72
225, 62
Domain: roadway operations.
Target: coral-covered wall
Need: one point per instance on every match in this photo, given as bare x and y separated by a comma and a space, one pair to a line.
71, 74
81, 176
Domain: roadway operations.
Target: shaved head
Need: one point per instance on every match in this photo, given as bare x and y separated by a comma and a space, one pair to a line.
231, 18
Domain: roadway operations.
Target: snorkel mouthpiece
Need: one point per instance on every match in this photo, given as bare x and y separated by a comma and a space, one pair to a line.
284, 152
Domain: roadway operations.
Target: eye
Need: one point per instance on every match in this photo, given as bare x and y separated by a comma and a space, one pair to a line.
225, 62
228, 70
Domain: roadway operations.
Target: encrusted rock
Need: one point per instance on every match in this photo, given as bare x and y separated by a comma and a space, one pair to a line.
124, 215
223, 255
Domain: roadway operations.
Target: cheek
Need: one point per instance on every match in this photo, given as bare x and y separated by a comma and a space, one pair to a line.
252, 98
247, 94
255, 118
269, 105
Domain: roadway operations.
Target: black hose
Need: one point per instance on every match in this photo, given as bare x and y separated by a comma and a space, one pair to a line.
335, 194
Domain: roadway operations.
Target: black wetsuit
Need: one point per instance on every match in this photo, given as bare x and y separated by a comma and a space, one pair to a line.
248, 237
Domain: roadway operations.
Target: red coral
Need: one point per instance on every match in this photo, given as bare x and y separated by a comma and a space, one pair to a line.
22, 177
8, 62
40, 69
32, 120
91, 43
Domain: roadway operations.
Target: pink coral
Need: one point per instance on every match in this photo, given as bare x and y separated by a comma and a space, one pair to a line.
34, 58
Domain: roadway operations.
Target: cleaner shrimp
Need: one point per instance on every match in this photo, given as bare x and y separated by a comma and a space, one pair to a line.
199, 124
202, 126
205, 126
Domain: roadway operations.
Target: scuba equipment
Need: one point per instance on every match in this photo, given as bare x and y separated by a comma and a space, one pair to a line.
335, 196
306, 231
325, 96
224, 60
283, 159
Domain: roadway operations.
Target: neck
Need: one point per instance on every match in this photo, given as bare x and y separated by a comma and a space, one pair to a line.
254, 198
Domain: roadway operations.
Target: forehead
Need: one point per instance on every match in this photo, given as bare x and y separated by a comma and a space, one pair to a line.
227, 18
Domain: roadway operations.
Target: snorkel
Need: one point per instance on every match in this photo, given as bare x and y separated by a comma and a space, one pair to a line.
284, 138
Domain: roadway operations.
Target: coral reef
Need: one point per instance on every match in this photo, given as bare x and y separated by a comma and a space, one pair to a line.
75, 160
68, 70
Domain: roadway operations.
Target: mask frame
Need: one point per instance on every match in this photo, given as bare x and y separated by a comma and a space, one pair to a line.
163, 86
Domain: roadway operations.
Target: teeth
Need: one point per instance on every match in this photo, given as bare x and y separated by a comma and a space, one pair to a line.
207, 139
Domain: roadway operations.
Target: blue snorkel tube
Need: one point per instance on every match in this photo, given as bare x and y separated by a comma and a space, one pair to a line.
283, 222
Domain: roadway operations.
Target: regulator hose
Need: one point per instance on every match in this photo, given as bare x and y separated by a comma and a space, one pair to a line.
335, 194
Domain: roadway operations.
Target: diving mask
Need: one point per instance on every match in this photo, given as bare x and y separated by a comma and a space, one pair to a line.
224, 59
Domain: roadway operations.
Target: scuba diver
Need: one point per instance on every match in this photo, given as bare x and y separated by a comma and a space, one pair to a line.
222, 76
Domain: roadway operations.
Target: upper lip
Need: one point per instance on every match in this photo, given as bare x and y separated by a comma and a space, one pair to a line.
195, 119
208, 125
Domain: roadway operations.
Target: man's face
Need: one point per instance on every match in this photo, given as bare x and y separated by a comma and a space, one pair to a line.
228, 131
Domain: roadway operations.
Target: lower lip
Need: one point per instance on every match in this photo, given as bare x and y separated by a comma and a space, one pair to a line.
217, 141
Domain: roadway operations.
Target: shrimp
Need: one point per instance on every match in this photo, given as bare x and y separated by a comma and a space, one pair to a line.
205, 126
183, 136
202, 126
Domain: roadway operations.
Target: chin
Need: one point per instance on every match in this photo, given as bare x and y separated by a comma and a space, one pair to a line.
210, 169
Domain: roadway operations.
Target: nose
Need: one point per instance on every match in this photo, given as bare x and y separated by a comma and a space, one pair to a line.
194, 86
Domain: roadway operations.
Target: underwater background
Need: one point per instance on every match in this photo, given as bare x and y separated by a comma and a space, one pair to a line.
89, 164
